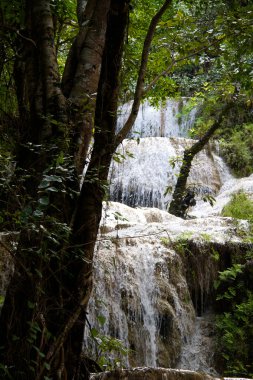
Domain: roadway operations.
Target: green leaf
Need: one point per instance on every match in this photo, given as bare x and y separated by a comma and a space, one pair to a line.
44, 184
53, 178
38, 214
31, 305
101, 319
52, 189
44, 201
94, 332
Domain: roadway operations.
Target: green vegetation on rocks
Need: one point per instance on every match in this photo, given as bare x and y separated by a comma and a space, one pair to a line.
240, 207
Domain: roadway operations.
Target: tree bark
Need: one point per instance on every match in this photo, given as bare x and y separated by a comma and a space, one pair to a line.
88, 211
80, 78
40, 307
45, 307
175, 207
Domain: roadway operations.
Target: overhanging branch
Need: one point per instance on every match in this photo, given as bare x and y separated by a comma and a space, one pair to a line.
141, 75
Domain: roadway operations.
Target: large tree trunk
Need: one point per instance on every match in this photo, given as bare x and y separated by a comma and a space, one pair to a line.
80, 78
40, 307
22, 313
42, 321
88, 212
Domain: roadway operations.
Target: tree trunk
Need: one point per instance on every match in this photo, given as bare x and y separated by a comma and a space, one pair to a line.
43, 317
80, 78
88, 212
40, 307
176, 206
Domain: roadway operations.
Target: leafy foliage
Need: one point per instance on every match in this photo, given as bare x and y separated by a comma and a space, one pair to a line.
240, 207
234, 326
234, 289
110, 352
236, 148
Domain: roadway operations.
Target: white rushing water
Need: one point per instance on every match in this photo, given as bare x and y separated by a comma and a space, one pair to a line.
118, 287
165, 121
140, 287
198, 352
148, 168
141, 290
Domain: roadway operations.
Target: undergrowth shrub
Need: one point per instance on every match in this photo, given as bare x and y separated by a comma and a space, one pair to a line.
237, 148
235, 296
240, 207
235, 325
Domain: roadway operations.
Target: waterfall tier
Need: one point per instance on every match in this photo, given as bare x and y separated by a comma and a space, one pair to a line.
148, 292
165, 121
152, 374
151, 292
146, 170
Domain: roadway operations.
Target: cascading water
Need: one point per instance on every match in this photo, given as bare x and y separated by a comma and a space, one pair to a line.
165, 121
198, 353
130, 275
146, 171
141, 288
148, 163
140, 297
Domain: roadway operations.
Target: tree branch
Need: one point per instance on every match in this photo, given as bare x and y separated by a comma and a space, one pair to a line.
175, 206
141, 75
167, 70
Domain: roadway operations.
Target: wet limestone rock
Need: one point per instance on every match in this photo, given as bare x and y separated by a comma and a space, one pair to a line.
154, 275
151, 374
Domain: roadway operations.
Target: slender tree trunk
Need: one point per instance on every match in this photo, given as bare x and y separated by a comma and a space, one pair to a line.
139, 90
176, 205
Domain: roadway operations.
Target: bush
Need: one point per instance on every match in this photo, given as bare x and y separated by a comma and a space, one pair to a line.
235, 293
234, 326
237, 148
240, 207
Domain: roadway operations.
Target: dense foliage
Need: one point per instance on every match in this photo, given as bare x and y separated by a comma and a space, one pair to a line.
239, 207
236, 148
235, 297
234, 325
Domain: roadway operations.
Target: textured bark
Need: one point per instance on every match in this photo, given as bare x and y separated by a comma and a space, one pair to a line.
41, 306
80, 79
88, 212
23, 310
175, 207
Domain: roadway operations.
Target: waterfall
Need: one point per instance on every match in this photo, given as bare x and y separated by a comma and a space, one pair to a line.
144, 285
129, 284
142, 293
165, 121
198, 353
147, 163
146, 170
